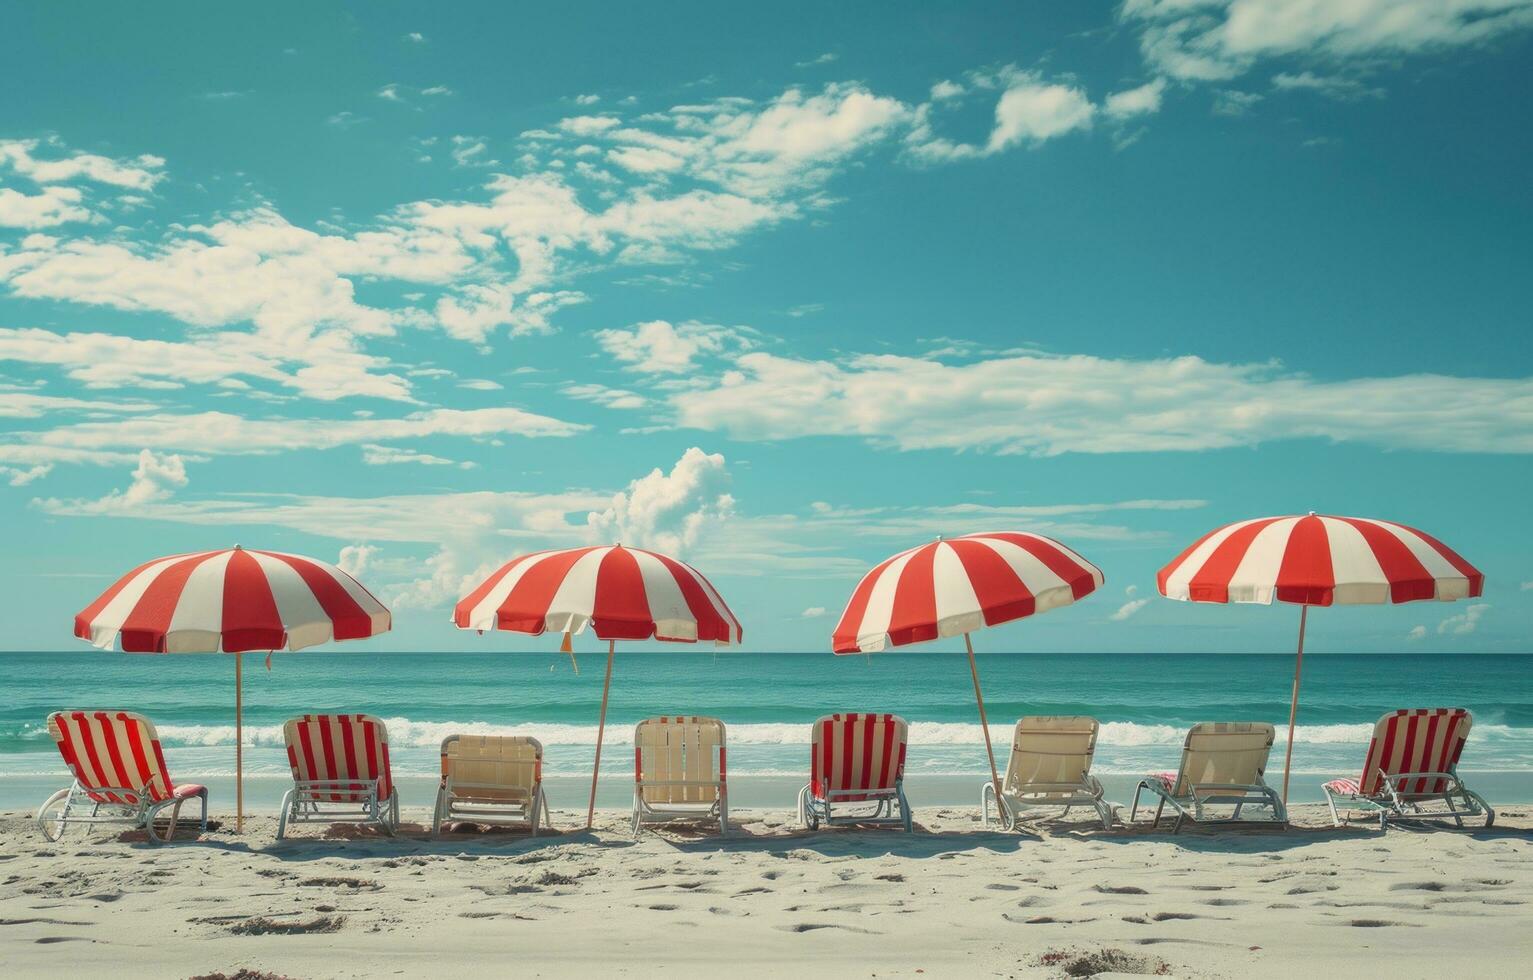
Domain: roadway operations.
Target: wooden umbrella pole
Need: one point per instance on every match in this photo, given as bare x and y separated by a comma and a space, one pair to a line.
239, 749
601, 728
1293, 704
995, 779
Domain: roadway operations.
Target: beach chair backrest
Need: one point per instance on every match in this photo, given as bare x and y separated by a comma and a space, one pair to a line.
1229, 752
857, 752
1051, 749
115, 755
1415, 740
350, 750
493, 767
677, 757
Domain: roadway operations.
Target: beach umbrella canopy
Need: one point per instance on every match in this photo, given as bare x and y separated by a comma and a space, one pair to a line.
231, 601
620, 593
957, 585
1317, 560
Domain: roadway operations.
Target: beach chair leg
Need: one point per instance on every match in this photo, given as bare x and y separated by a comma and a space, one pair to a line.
723, 813
638, 814
904, 808
1330, 801
985, 793
53, 829
1134, 809
437, 814
287, 808
1159, 809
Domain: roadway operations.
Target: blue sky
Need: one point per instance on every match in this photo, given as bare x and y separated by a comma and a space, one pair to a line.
418, 289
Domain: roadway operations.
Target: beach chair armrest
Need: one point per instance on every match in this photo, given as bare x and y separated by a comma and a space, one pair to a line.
1089, 785
679, 782
1397, 783
1203, 790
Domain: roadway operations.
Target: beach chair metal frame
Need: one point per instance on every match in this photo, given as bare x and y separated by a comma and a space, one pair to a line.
339, 799
689, 743
1019, 790
131, 806
817, 805
1391, 796
1188, 798
485, 801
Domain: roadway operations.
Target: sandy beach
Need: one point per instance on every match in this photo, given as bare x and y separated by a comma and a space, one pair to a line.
1064, 899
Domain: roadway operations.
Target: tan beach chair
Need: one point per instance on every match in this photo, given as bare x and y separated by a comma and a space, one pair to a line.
678, 771
856, 759
1222, 764
1411, 767
491, 779
340, 766
1050, 765
119, 773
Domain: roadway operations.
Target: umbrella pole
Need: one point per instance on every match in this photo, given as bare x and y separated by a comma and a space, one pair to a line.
984, 723
1293, 704
239, 749
601, 728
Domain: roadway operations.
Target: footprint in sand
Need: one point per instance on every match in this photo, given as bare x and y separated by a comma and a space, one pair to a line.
813, 926
1119, 889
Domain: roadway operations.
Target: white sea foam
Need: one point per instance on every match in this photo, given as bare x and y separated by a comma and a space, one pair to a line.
1115, 734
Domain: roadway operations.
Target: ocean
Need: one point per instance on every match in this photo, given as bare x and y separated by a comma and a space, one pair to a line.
1145, 703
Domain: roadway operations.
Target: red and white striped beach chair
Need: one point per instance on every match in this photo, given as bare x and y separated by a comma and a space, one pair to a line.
119, 773
491, 779
856, 759
340, 767
1411, 766
678, 771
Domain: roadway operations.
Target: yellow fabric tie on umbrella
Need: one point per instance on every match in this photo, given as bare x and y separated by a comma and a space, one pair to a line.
565, 646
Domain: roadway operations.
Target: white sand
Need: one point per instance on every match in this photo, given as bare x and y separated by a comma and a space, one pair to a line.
949, 900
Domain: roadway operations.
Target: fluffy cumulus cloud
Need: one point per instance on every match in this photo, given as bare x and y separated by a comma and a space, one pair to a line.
660, 347
354, 558
668, 512
156, 477
1041, 404
1465, 622
1029, 110
55, 164
1140, 101
1211, 40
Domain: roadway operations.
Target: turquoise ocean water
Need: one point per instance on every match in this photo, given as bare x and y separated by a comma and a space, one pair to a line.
1144, 701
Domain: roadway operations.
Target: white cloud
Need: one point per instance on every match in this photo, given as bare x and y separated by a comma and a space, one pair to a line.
659, 347
1527, 587
1417, 633
1043, 404
138, 173
354, 559
437, 90
1338, 87
1135, 101
390, 93
1128, 609
481, 384
1210, 40
668, 512
946, 90
20, 476
31, 405
222, 433
823, 59
587, 99
415, 37
50, 206
1465, 622
589, 125
155, 479
1029, 111
375, 455
619, 398
1233, 102
814, 612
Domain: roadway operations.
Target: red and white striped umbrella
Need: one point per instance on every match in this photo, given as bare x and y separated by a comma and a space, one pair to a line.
621, 593
231, 601
957, 585
1317, 560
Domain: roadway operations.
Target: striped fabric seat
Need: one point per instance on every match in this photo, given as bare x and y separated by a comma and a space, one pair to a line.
117, 763
342, 760
857, 758
1412, 758
679, 770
